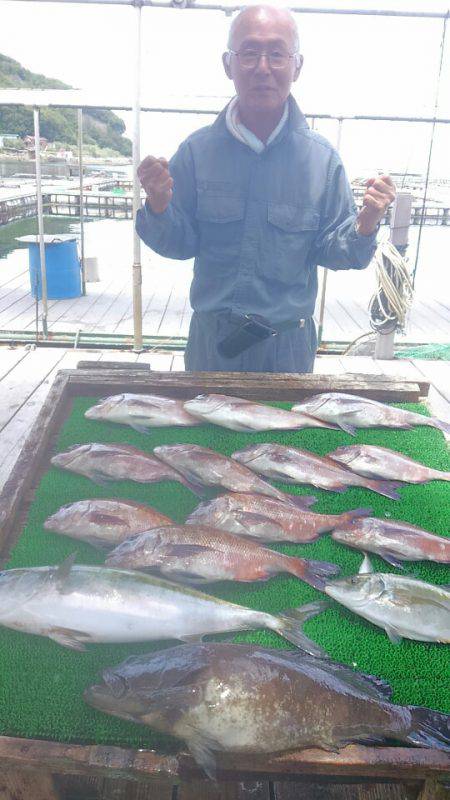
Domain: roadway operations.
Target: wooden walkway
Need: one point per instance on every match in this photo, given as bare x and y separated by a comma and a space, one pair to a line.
107, 306
26, 375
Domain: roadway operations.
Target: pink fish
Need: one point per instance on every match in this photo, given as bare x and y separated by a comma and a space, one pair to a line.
269, 519
196, 552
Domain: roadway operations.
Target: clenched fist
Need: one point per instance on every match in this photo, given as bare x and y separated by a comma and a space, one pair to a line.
154, 176
380, 193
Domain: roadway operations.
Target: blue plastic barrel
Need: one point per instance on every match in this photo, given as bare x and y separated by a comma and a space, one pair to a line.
62, 266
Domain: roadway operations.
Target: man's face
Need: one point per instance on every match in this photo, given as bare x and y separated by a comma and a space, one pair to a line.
262, 87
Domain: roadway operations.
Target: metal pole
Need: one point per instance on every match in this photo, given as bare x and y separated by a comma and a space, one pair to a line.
137, 271
80, 168
37, 152
369, 12
430, 149
325, 271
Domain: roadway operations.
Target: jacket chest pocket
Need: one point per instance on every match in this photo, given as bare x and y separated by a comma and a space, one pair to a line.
291, 234
220, 222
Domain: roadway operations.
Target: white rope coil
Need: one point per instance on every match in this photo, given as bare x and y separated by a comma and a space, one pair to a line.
393, 299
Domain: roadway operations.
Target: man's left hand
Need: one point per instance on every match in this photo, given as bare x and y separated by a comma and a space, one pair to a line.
380, 193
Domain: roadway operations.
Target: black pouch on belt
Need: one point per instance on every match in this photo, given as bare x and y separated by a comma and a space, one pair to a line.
248, 331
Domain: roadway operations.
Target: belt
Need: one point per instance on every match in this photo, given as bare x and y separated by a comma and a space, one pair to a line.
250, 329
239, 319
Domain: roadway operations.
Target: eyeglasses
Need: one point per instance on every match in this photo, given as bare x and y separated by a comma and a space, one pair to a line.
249, 58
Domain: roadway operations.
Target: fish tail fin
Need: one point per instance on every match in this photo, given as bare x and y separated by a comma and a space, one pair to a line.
302, 501
289, 625
316, 573
429, 728
434, 422
310, 421
386, 488
355, 513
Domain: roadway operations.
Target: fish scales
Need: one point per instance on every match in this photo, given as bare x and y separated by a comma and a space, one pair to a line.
238, 414
351, 412
142, 411
394, 540
104, 523
75, 605
402, 606
204, 466
292, 465
196, 552
269, 519
381, 462
106, 462
249, 699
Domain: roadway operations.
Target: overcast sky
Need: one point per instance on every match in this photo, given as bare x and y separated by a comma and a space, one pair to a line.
355, 65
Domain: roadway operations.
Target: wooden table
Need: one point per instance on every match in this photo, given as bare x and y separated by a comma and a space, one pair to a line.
46, 770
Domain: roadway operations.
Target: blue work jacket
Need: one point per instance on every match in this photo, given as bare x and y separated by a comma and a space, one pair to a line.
258, 224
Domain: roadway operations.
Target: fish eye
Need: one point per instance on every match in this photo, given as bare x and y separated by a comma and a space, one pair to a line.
354, 580
117, 684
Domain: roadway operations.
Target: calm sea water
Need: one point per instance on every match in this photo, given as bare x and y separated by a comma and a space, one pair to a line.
111, 242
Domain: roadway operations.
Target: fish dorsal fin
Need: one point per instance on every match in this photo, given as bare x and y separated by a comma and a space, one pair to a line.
366, 566
63, 570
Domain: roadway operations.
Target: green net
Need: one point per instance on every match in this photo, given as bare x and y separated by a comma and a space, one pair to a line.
42, 683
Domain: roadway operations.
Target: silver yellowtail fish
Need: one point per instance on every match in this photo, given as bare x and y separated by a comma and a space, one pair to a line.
104, 523
402, 606
198, 553
75, 605
394, 540
380, 462
142, 411
269, 519
351, 412
245, 415
292, 465
239, 698
203, 466
115, 462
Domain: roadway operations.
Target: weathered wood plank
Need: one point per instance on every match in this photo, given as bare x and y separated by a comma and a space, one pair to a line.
9, 358
432, 790
355, 761
25, 379
27, 786
209, 790
279, 386
332, 791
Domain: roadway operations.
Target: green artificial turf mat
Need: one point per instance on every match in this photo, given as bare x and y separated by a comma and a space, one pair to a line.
41, 682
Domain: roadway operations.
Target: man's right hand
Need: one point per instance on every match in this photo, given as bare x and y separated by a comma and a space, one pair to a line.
154, 176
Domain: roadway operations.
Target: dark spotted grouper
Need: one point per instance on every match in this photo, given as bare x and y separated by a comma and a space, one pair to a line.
104, 523
196, 552
394, 540
269, 519
250, 699
351, 412
380, 462
292, 465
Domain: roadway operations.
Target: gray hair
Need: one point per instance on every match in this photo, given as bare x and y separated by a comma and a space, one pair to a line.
285, 12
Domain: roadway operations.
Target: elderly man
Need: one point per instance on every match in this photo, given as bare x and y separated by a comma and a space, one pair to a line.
259, 200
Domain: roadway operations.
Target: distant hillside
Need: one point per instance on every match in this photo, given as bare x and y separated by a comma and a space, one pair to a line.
101, 128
